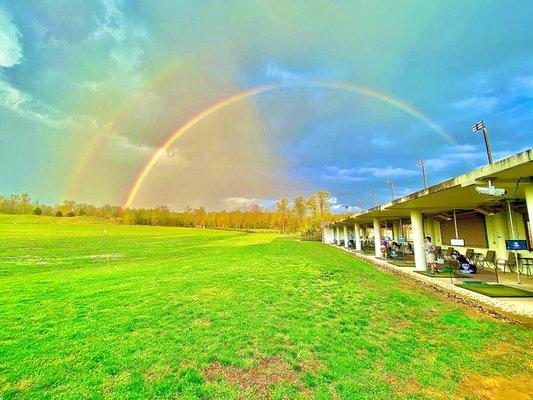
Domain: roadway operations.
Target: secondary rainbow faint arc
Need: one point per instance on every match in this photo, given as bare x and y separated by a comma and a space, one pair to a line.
97, 143
227, 101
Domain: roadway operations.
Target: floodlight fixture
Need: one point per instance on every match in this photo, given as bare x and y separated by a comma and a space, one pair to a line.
391, 184
422, 165
480, 126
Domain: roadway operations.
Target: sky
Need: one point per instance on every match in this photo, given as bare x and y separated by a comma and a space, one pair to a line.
90, 90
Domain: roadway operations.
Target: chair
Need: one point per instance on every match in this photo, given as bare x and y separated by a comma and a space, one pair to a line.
449, 252
510, 262
448, 258
437, 251
525, 263
469, 255
489, 259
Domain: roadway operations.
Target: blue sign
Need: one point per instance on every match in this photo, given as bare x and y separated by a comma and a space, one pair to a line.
516, 244
401, 240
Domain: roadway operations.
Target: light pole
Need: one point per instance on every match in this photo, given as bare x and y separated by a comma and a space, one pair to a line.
391, 184
480, 126
373, 197
422, 165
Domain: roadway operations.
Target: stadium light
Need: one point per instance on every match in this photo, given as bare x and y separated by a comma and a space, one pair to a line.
480, 126
391, 184
373, 197
422, 165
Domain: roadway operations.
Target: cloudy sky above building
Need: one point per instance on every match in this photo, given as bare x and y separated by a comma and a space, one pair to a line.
90, 90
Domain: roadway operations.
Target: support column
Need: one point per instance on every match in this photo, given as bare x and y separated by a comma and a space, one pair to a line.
528, 190
338, 235
395, 230
500, 233
377, 237
357, 236
327, 236
345, 235
418, 241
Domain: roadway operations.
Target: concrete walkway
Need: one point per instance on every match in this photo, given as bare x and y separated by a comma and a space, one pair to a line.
517, 310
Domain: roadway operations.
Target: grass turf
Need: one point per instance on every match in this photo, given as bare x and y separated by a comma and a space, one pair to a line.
108, 311
401, 263
497, 290
443, 274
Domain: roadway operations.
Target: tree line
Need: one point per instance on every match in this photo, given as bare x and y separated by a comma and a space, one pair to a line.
297, 215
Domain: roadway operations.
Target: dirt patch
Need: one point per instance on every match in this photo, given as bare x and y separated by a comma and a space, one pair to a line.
202, 322
497, 387
157, 373
410, 387
258, 379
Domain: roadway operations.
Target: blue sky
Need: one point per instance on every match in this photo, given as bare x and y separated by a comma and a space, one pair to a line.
134, 71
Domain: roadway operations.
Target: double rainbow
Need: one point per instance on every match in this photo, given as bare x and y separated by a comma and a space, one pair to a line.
225, 102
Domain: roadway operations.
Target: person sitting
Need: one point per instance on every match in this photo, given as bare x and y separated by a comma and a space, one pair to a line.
394, 248
464, 266
351, 242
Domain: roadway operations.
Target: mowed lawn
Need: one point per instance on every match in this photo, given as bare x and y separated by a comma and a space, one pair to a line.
97, 311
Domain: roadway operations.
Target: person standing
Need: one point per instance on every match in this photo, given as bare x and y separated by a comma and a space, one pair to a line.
430, 254
383, 248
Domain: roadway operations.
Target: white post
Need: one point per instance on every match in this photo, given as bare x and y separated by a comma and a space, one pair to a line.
345, 236
338, 235
377, 237
357, 236
528, 190
395, 231
418, 241
327, 235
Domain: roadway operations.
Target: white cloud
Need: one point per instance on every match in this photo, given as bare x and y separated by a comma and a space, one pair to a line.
386, 172
334, 204
341, 208
21, 104
482, 103
128, 50
526, 81
380, 142
346, 175
273, 71
11, 97
126, 144
241, 203
464, 148
439, 163
10, 47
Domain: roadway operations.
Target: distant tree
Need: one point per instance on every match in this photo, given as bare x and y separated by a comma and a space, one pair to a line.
323, 203
299, 207
24, 203
59, 213
37, 211
283, 213
70, 214
81, 212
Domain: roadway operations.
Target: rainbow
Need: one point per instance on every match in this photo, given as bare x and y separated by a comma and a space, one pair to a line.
99, 140
225, 102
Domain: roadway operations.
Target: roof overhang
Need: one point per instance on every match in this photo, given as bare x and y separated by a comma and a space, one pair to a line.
458, 193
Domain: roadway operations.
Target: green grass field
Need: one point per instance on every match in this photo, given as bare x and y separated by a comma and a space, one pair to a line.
96, 311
